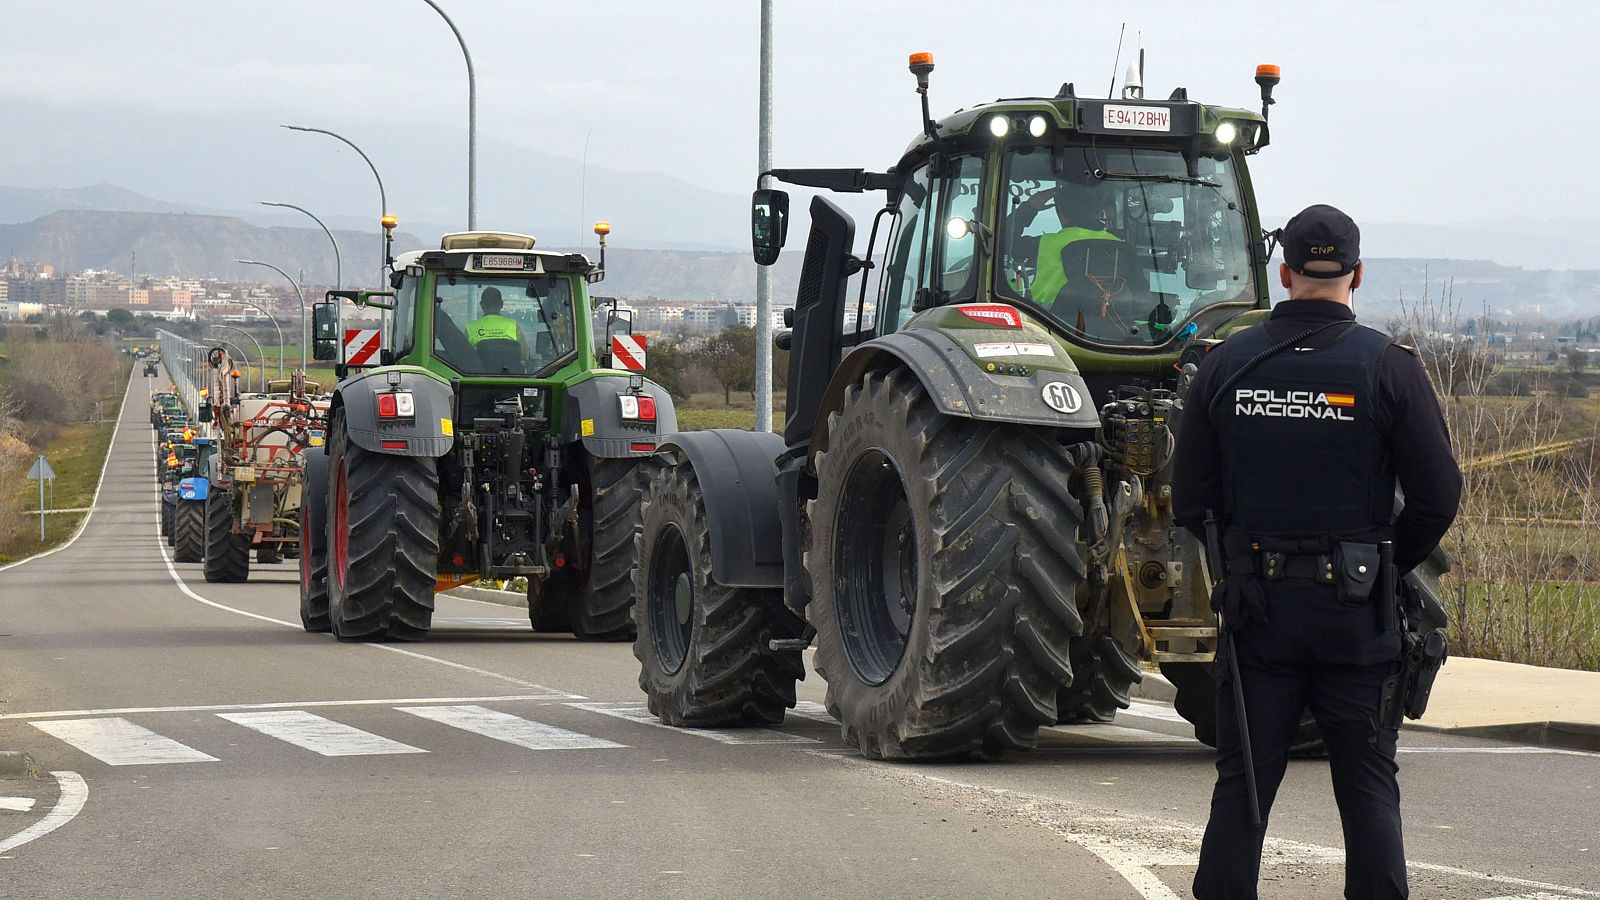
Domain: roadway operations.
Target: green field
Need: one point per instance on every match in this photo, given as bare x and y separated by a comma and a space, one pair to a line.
77, 455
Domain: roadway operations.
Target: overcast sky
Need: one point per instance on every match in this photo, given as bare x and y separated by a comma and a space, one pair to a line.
1419, 111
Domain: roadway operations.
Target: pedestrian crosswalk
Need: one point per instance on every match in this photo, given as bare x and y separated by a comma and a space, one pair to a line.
119, 741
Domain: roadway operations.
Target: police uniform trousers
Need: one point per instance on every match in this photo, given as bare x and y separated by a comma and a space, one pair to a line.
1313, 651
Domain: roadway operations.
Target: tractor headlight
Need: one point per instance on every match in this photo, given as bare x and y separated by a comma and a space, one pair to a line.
1226, 133
999, 126
1037, 126
957, 228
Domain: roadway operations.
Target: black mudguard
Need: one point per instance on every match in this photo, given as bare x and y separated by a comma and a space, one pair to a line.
591, 415
957, 385
314, 499
738, 479
430, 433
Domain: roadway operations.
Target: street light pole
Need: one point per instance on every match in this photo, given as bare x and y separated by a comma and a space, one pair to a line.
472, 121
338, 263
383, 198
763, 276
253, 305
297, 292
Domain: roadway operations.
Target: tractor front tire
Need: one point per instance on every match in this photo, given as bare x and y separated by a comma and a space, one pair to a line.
1103, 676
383, 542
314, 545
943, 565
189, 531
704, 650
227, 553
602, 610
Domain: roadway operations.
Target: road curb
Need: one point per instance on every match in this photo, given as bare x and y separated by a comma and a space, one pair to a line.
1154, 686
1564, 735
15, 764
504, 598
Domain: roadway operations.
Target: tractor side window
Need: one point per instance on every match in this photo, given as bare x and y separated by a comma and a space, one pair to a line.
403, 324
960, 194
908, 253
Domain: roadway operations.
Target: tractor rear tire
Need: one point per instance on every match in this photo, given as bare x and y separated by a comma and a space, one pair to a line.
602, 609
314, 545
550, 601
704, 649
166, 522
383, 542
1103, 676
268, 555
1197, 702
227, 553
189, 531
943, 566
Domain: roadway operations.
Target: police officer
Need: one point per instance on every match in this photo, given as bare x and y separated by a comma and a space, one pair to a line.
1296, 433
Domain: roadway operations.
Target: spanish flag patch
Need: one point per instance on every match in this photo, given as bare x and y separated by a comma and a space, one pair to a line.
1346, 400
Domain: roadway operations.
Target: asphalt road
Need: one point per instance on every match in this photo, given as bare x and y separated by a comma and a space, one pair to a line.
202, 744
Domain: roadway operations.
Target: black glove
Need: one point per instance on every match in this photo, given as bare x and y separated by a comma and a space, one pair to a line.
1240, 600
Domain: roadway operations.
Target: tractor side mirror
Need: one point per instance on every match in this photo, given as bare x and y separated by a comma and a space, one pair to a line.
769, 224
205, 413
324, 331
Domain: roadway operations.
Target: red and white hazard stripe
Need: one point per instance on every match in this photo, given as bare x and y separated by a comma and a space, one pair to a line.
360, 346
627, 351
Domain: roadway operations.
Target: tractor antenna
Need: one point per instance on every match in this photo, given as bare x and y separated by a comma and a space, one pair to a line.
921, 65
1112, 90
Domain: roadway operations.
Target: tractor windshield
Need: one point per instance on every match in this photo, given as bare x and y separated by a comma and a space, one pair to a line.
1122, 245
502, 326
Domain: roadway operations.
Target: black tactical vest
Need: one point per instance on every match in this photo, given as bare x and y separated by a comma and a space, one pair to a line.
1302, 451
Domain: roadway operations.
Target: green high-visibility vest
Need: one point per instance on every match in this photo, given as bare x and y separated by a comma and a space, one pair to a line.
1051, 277
493, 327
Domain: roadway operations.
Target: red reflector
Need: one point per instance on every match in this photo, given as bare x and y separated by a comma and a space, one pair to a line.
647, 409
387, 407
458, 559
997, 315
561, 561
642, 447
394, 445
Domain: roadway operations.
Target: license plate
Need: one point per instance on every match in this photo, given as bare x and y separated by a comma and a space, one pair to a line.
244, 474
488, 261
1138, 118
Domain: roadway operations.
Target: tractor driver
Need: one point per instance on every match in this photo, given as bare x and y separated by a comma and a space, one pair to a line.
1065, 255
497, 338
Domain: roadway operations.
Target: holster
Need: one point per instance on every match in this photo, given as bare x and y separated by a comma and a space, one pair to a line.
1357, 566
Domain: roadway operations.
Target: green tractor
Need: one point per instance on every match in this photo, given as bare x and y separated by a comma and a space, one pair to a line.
969, 509
482, 433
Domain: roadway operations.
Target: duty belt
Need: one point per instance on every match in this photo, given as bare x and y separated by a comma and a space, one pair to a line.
1313, 567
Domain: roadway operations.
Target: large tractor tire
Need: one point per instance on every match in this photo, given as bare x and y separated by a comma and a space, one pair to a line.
383, 542
189, 531
943, 565
1197, 702
227, 552
1103, 676
166, 521
550, 601
704, 650
602, 609
314, 545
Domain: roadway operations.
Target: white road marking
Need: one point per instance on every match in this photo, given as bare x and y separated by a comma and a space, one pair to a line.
93, 502
1118, 734
1132, 845
811, 709
511, 729
1144, 709
1557, 751
73, 794
118, 742
480, 622
317, 734
640, 714
293, 704
17, 804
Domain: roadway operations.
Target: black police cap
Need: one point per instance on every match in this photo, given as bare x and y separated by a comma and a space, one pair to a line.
1321, 232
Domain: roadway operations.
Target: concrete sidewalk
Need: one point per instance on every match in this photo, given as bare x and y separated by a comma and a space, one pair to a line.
1496, 700
1471, 697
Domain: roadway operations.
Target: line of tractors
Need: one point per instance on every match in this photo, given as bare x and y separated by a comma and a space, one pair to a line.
967, 511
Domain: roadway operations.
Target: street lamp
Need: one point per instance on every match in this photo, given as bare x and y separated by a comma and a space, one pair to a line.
254, 305
472, 121
338, 264
297, 293
383, 199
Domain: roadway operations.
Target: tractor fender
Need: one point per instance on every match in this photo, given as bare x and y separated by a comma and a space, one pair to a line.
431, 432
958, 385
194, 488
738, 473
590, 413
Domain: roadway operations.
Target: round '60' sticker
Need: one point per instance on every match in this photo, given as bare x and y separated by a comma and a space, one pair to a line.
1062, 397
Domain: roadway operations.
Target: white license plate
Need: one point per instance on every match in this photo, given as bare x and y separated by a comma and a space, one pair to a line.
501, 262
1138, 118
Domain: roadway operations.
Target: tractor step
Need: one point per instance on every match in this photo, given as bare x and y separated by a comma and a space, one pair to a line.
778, 644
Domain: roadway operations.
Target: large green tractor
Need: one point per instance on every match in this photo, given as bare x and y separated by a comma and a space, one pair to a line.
483, 434
969, 509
